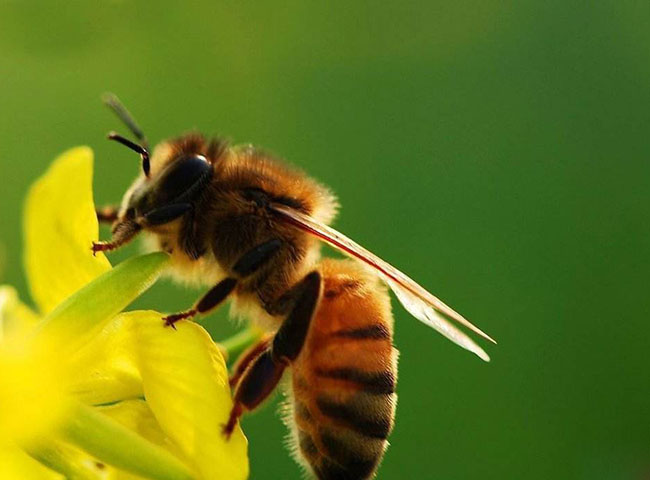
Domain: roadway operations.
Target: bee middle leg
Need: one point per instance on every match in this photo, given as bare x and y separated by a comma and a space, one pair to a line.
262, 376
248, 264
211, 300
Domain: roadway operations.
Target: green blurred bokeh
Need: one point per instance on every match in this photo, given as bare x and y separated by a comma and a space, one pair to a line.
497, 151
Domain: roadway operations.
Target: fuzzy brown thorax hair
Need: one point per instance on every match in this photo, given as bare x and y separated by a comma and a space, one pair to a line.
229, 217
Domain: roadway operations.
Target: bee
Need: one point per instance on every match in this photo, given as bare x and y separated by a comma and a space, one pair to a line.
250, 228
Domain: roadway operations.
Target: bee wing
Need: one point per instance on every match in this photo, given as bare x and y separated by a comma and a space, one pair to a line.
419, 302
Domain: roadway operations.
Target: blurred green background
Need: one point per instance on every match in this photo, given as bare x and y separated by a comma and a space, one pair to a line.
497, 151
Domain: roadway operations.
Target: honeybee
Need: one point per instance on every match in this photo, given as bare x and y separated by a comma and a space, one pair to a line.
250, 228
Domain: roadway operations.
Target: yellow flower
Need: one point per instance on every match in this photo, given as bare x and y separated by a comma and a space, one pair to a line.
87, 392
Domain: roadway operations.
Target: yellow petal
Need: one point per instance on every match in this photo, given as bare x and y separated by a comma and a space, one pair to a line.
137, 417
106, 368
16, 464
32, 400
59, 226
16, 318
186, 386
31, 385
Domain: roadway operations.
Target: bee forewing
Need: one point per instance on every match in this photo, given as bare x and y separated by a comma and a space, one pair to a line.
419, 302
426, 314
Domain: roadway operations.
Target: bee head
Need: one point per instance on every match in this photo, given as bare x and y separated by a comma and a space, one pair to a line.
168, 187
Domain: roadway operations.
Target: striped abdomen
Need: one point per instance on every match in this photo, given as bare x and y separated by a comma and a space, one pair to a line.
344, 378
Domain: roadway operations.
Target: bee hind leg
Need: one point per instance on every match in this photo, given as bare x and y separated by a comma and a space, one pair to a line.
262, 376
257, 383
247, 357
288, 341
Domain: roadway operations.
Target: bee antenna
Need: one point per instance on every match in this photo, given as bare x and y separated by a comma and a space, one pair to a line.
112, 102
142, 151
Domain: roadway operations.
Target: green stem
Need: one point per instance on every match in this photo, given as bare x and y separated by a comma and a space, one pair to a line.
116, 445
239, 342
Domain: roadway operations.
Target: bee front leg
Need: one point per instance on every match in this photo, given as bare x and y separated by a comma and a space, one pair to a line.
260, 379
123, 233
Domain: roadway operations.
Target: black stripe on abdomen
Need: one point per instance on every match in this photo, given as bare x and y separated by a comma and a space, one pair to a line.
307, 445
379, 383
346, 460
353, 416
356, 470
373, 332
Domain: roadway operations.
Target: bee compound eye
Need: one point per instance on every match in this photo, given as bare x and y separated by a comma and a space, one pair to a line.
184, 179
130, 213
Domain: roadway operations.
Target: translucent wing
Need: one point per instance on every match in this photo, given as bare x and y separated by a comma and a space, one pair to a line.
419, 302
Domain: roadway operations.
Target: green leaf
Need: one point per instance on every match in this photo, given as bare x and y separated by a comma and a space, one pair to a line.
105, 369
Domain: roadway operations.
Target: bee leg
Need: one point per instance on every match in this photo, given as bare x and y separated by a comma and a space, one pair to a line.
107, 214
290, 338
170, 320
211, 300
188, 235
245, 266
245, 359
252, 260
167, 213
123, 233
257, 383
260, 379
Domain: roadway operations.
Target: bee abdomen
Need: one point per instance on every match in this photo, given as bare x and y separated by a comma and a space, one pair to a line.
345, 439
347, 456
344, 380
373, 423
343, 424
